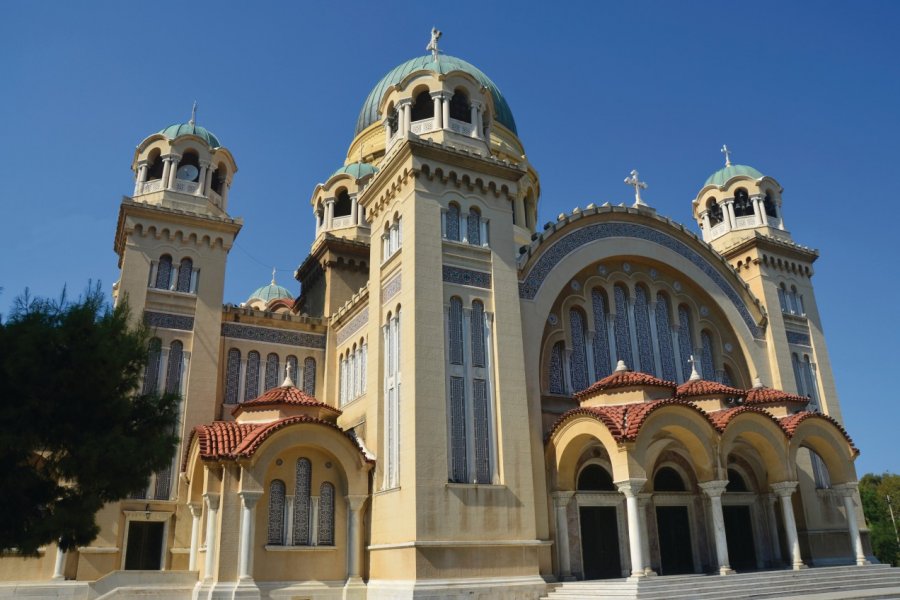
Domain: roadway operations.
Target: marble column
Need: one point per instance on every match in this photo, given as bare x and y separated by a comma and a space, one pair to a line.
329, 213
355, 538
643, 503
207, 183
248, 520
196, 512
167, 166
784, 490
445, 111
354, 211
140, 177
714, 490
561, 502
704, 216
729, 213
771, 501
173, 169
59, 568
631, 487
201, 179
212, 513
848, 493
225, 187
473, 118
438, 110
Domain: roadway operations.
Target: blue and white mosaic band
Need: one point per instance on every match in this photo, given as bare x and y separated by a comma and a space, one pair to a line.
169, 321
801, 339
467, 277
391, 288
275, 336
354, 325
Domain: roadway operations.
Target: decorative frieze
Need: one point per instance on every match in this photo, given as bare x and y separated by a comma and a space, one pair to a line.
354, 325
462, 276
391, 288
796, 337
275, 336
168, 321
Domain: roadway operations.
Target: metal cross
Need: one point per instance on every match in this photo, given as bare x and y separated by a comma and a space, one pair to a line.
693, 362
638, 185
727, 154
433, 44
273, 275
194, 113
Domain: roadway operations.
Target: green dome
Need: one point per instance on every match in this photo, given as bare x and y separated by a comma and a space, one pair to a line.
179, 129
446, 64
722, 175
270, 292
356, 170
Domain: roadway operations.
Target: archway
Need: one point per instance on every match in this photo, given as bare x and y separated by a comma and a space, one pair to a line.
599, 516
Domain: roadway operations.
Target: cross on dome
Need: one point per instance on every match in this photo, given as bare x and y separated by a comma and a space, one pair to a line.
288, 382
273, 275
433, 44
727, 154
694, 374
193, 120
638, 185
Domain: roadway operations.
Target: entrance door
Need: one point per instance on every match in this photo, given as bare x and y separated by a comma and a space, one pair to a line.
600, 542
674, 528
739, 531
145, 542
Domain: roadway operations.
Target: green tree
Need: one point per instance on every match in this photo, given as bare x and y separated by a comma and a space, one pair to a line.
874, 491
76, 432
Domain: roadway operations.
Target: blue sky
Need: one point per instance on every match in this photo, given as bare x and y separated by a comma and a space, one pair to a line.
807, 93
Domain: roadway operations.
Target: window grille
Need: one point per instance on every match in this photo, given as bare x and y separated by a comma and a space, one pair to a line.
272, 371
276, 513
601, 338
251, 388
326, 515
232, 376
302, 502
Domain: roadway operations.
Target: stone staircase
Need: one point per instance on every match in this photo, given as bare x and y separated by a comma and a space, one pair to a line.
824, 583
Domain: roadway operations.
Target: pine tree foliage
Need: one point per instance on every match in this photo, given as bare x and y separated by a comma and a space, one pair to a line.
75, 430
874, 491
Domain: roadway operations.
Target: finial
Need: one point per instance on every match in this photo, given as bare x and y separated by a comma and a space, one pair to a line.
757, 383
694, 374
273, 275
638, 185
288, 382
193, 120
620, 367
727, 154
433, 44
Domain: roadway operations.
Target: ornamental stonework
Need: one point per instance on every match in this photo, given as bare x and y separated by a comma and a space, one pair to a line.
469, 277
168, 321
276, 336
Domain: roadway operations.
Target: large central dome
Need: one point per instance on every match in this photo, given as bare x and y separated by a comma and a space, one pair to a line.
446, 64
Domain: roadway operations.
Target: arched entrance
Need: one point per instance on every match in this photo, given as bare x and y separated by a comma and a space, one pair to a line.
599, 508
673, 522
736, 511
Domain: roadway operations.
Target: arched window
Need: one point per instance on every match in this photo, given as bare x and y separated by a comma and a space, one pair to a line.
685, 340
251, 386
458, 447
706, 360
714, 210
302, 502
393, 119
478, 354
326, 515
163, 272
594, 478
578, 358
452, 222
151, 371
481, 429
736, 483
456, 331
782, 298
173, 369
423, 107
191, 159
769, 206
459, 107
342, 204
392, 386
232, 376
809, 381
473, 227
600, 307
667, 479
219, 178
309, 375
271, 371
664, 333
557, 380
792, 301
185, 272
623, 327
276, 513
154, 166
743, 207
642, 329
291, 361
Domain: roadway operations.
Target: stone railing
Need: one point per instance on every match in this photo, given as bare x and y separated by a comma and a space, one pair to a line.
345, 221
423, 126
153, 185
718, 230
744, 222
187, 187
462, 127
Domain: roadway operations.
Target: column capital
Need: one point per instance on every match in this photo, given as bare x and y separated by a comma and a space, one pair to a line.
204, 163
172, 156
355, 502
442, 94
250, 497
714, 488
784, 488
561, 499
728, 201
631, 487
196, 509
143, 162
329, 200
404, 102
847, 489
212, 500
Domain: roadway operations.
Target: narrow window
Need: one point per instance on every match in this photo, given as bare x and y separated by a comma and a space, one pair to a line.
578, 363
456, 331
163, 272
309, 376
233, 376
185, 271
714, 210
782, 298
706, 361
291, 361
809, 378
276, 513
482, 431
151, 371
343, 204
251, 387
478, 355
473, 227
458, 466
271, 371
685, 339
326, 515
173, 369
453, 222
623, 328
642, 327
302, 504
769, 206
600, 307
664, 333
556, 376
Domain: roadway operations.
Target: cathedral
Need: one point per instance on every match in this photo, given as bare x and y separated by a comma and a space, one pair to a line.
462, 401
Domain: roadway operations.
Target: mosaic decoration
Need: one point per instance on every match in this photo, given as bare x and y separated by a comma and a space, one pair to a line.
578, 358
309, 375
456, 331
664, 333
151, 371
600, 269
728, 347
473, 228
553, 319
173, 369
706, 361
602, 365
302, 504
685, 340
168, 321
352, 326
326, 515
642, 329
391, 288
482, 431
163, 272
185, 270
478, 355
240, 331
626, 267
232, 376
623, 328
251, 383
801, 339
466, 277
275, 535
654, 273
458, 466
575, 285
557, 379
271, 371
453, 223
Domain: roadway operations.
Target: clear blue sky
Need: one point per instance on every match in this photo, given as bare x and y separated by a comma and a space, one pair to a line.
808, 93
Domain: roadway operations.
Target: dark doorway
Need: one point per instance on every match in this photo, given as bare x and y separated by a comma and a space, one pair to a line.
674, 528
600, 542
739, 532
145, 541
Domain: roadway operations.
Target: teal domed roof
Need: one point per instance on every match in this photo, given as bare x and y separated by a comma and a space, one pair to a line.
446, 64
179, 129
270, 292
722, 175
356, 170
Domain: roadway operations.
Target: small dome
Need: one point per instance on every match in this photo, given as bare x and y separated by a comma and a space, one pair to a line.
446, 64
356, 170
270, 292
179, 129
723, 175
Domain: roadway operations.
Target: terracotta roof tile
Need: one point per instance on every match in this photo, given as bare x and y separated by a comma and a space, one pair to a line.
620, 379
792, 422
722, 418
624, 421
284, 395
700, 387
766, 395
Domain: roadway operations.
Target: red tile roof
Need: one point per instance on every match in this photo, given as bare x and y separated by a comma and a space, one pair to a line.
792, 422
722, 418
766, 395
284, 395
694, 388
621, 379
624, 421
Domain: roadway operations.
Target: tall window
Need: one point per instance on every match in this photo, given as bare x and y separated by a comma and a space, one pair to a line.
473, 226
664, 336
271, 371
478, 342
276, 513
557, 383
232, 376
163, 272
451, 222
642, 329
623, 327
325, 534
707, 364
151, 371
174, 368
291, 361
769, 206
578, 359
391, 333
251, 387
600, 306
392, 238
302, 502
309, 375
185, 272
743, 207
456, 331
685, 339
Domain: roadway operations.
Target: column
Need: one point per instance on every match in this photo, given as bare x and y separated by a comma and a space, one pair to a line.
729, 213
771, 500
387, 133
196, 511
329, 213
704, 216
438, 110
354, 211
473, 117
759, 210
225, 187
631, 487
173, 169
714, 490
201, 179
848, 492
355, 538
248, 517
405, 115
445, 110
784, 490
167, 166
561, 501
643, 503
207, 183
60, 567
140, 177
212, 513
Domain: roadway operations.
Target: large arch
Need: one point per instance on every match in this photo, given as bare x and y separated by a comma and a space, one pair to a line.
760, 431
